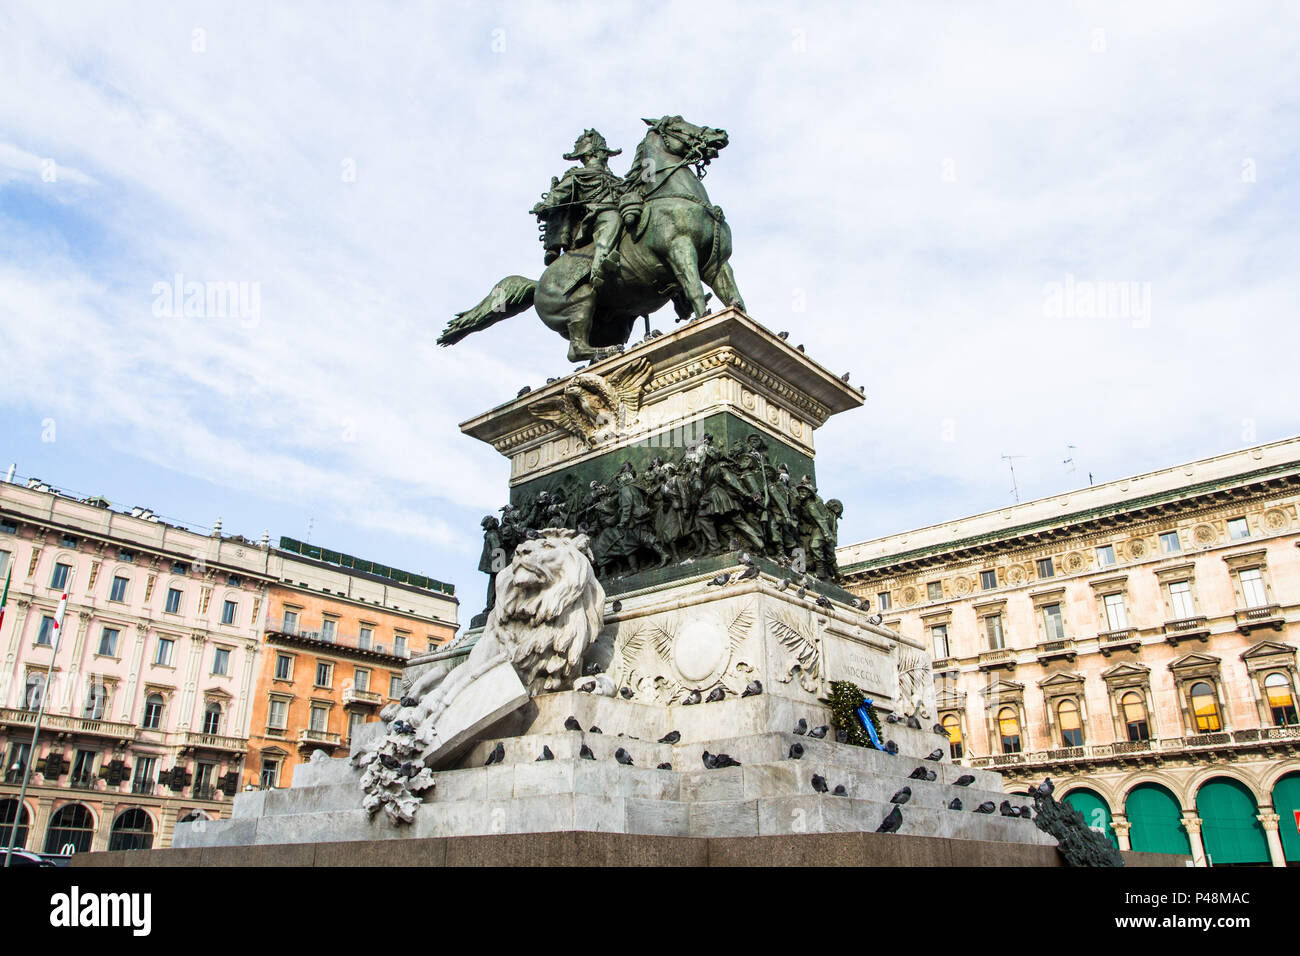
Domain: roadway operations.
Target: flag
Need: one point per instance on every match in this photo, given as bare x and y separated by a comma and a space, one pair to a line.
58, 615
4, 598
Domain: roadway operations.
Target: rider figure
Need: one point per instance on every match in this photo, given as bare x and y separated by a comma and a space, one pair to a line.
584, 203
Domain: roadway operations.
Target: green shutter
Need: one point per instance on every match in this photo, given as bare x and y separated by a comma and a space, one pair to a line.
1286, 803
1228, 825
1156, 821
1095, 812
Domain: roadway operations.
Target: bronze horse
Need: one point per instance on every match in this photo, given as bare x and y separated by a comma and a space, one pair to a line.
679, 240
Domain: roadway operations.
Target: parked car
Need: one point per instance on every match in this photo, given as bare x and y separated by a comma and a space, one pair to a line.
25, 858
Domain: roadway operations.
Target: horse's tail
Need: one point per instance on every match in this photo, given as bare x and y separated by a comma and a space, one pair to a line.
510, 296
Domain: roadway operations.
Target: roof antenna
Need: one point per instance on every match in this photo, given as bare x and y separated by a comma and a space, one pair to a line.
310, 522
1011, 463
1070, 450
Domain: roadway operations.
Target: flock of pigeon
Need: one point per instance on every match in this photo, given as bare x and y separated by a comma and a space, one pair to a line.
803, 580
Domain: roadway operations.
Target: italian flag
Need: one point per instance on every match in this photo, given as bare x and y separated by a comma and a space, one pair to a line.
4, 598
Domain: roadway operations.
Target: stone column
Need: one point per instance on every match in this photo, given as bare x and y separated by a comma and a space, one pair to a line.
14, 653
74, 665
1193, 825
1269, 821
40, 822
107, 813
1121, 826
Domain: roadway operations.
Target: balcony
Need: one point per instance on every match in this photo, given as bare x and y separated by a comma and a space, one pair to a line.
360, 698
1187, 629
1269, 738
318, 738
62, 723
1125, 639
1001, 658
204, 793
143, 786
1249, 618
1057, 650
214, 742
294, 633
83, 781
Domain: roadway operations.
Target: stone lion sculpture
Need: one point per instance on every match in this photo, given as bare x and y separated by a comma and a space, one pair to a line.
549, 609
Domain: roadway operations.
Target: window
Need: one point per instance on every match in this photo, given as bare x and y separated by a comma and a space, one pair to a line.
1180, 596
125, 555
988, 580
324, 672
319, 718
278, 716
8, 527
1046, 568
1053, 622
1281, 702
395, 686
883, 601
173, 605
1205, 708
1009, 729
180, 567
270, 776
1071, 727
361, 681
1116, 616
5, 557
365, 638
1252, 587
228, 611
67, 541
939, 636
1238, 529
934, 590
1169, 543
233, 580
118, 591
144, 781
108, 641
1106, 555
153, 708
96, 702
1134, 710
212, 718
399, 645
163, 656
329, 629
221, 661
953, 726
83, 770
45, 635
993, 631
355, 720
16, 765
60, 576
291, 622
132, 830
203, 780
33, 691
283, 667
71, 828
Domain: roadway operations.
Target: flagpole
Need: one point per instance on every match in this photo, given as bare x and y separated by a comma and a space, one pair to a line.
40, 714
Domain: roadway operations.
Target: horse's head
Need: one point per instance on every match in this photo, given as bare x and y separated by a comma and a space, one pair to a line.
686, 139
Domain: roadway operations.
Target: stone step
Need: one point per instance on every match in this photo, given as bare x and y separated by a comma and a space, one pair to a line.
566, 745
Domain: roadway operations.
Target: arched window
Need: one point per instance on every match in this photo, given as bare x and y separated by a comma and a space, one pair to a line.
1009, 727
212, 718
1135, 716
1281, 702
96, 702
71, 826
8, 810
153, 708
34, 691
132, 830
1205, 708
953, 726
1067, 713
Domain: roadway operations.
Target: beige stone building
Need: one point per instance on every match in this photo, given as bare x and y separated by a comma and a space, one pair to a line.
1135, 640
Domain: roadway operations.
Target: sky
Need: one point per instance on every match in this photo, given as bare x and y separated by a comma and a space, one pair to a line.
1062, 232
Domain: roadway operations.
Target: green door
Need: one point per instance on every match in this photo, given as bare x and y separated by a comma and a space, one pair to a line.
1095, 812
1286, 802
1228, 825
1157, 825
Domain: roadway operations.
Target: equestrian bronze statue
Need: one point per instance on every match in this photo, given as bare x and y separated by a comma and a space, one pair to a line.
620, 248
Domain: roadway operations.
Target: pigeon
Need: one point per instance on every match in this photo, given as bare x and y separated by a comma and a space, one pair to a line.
856, 602
841, 735
817, 733
692, 698
664, 766
1007, 810
844, 377
715, 695
796, 750
891, 718
931, 776
892, 822
523, 391
862, 389
839, 791
891, 748
749, 573
752, 689
623, 757
938, 729
965, 780
572, 724
616, 607
409, 769
783, 335
720, 580
819, 783
935, 754
410, 702
726, 760
1026, 813
389, 761
626, 693
955, 804
532, 534
710, 761
671, 737
913, 723
801, 728
497, 755
917, 774
902, 796
550, 380
800, 348
586, 754
785, 583
1045, 788
744, 558
406, 728
823, 601
988, 806
546, 754
595, 730
733, 544
592, 668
